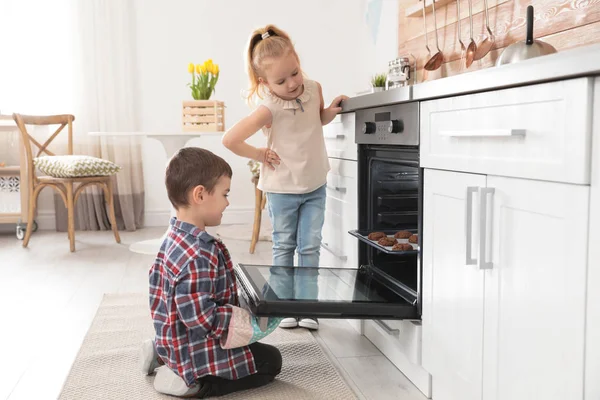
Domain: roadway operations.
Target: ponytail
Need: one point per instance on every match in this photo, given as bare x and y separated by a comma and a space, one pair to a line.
265, 42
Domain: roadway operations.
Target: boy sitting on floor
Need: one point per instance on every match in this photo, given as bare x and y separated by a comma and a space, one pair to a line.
206, 342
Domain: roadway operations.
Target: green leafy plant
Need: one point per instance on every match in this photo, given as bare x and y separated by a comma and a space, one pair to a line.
378, 80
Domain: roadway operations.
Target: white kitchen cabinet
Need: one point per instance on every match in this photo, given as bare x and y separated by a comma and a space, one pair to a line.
538, 132
452, 290
535, 290
505, 319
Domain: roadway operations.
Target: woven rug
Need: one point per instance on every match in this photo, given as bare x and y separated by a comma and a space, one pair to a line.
244, 231
106, 366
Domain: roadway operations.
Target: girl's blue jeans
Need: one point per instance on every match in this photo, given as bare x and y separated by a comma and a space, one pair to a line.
297, 221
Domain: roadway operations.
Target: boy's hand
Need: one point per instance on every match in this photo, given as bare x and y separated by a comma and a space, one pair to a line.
268, 157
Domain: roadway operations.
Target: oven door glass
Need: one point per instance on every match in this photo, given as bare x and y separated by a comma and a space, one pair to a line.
321, 293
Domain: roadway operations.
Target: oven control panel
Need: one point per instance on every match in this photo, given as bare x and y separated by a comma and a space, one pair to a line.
392, 125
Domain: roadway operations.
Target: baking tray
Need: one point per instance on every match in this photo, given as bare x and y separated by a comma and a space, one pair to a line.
363, 236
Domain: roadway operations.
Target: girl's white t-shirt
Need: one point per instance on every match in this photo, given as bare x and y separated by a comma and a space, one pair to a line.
296, 135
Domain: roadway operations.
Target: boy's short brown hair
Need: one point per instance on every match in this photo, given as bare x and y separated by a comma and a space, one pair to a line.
191, 167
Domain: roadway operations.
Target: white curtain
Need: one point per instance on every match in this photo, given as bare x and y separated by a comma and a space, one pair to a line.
72, 56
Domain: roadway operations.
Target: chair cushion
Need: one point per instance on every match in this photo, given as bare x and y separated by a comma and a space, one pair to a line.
75, 166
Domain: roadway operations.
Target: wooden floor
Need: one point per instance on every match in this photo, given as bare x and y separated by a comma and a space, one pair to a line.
50, 297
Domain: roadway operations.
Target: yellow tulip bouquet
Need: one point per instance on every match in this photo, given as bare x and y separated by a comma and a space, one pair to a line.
204, 79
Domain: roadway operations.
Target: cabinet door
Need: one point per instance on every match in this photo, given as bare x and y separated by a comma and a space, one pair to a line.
452, 290
535, 290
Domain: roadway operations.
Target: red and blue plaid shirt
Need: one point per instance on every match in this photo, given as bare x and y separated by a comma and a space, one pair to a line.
192, 289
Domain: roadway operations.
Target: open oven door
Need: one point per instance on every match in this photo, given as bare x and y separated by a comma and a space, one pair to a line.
322, 292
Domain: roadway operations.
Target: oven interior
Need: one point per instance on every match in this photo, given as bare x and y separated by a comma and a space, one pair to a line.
390, 200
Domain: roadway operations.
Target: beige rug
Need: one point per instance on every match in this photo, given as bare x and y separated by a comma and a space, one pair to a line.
106, 365
244, 231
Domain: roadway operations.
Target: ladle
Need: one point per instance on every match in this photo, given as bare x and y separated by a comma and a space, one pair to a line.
425, 29
472, 47
438, 58
463, 48
486, 45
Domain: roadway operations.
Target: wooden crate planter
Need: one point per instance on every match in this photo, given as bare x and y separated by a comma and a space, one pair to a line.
203, 116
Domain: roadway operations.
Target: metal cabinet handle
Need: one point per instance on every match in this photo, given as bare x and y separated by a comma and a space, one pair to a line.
329, 249
469, 225
337, 188
386, 327
483, 223
485, 133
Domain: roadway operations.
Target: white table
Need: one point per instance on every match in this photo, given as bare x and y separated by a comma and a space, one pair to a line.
171, 143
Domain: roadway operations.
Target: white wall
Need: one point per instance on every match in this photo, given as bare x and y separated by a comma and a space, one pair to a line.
332, 39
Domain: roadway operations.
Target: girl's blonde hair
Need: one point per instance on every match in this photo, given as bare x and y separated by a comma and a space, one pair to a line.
276, 44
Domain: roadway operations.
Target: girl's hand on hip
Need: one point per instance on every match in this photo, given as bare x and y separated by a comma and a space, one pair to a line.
336, 104
268, 157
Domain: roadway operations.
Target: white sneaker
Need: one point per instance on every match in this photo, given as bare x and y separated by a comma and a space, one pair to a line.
148, 357
168, 382
288, 323
309, 323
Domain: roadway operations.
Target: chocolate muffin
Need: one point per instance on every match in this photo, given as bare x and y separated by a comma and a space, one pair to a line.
376, 235
403, 235
387, 241
413, 239
402, 247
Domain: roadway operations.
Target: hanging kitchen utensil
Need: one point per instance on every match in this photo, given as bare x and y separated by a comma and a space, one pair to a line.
486, 45
425, 29
438, 58
530, 48
463, 48
472, 47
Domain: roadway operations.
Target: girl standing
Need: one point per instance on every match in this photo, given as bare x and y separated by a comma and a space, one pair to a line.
294, 163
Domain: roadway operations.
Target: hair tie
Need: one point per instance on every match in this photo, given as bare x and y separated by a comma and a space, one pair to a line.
265, 35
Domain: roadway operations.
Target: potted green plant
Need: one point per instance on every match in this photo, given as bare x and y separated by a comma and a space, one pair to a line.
202, 114
378, 82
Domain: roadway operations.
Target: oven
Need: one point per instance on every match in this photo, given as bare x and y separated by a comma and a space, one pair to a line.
386, 283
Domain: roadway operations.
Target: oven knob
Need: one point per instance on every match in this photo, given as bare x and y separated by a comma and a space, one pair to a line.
369, 127
395, 126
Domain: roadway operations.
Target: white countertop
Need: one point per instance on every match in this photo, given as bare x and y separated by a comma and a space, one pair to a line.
566, 64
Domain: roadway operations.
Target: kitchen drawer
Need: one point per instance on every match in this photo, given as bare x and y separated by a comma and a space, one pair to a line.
539, 132
339, 137
400, 342
342, 180
341, 215
340, 249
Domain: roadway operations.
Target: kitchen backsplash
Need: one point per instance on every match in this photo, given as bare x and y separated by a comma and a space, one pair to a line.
562, 23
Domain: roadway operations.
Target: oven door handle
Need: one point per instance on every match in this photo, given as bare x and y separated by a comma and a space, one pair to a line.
471, 190
483, 225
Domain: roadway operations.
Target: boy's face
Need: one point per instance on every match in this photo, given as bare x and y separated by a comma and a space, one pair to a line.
210, 206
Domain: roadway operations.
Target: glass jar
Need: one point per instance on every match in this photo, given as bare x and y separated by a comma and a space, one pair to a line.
400, 73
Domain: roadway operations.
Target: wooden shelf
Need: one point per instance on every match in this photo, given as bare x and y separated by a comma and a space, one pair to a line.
416, 11
11, 169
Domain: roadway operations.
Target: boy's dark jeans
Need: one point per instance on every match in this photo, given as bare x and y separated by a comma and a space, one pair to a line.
268, 363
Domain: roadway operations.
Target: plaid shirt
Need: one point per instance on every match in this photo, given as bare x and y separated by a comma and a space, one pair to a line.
192, 289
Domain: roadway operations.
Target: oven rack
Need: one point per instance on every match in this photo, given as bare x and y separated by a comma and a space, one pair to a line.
363, 236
